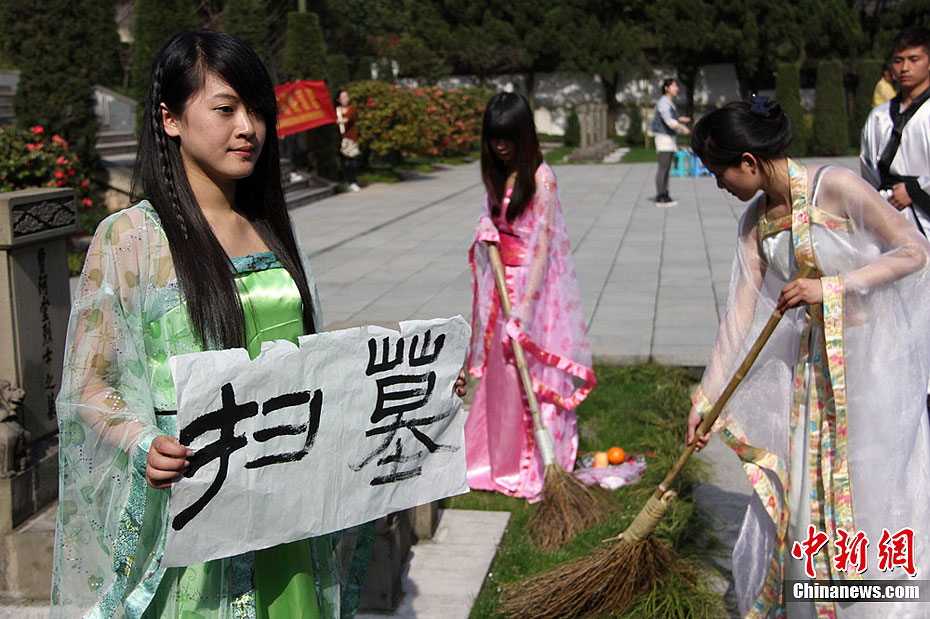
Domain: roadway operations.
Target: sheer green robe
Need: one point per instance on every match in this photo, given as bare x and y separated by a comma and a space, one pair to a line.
117, 395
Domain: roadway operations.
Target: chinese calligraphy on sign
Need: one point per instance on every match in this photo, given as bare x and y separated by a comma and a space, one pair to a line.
303, 440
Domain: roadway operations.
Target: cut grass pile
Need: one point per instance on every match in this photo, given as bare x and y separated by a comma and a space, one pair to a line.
641, 409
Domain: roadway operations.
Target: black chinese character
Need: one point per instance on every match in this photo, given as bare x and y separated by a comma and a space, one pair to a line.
224, 420
397, 395
311, 427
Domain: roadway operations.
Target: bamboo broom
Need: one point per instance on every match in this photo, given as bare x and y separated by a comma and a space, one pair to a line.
567, 506
611, 578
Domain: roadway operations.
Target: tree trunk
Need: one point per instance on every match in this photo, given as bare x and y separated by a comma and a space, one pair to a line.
688, 76
610, 98
531, 89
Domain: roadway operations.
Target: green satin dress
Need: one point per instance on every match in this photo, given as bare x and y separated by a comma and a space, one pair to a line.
274, 583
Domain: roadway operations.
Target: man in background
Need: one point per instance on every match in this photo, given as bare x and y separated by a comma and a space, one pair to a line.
895, 154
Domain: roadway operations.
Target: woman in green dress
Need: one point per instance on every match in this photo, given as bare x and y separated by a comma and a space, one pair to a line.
210, 260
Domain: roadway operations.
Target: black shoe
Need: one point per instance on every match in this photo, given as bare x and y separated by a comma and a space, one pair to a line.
665, 201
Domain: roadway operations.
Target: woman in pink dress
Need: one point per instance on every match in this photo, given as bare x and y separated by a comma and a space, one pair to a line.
521, 214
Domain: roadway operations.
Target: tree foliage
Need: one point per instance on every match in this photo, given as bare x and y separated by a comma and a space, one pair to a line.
155, 21
634, 134
247, 20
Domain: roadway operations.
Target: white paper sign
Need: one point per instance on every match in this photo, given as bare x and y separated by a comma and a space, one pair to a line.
344, 428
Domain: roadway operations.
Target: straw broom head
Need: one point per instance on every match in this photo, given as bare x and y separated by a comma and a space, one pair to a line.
566, 509
608, 580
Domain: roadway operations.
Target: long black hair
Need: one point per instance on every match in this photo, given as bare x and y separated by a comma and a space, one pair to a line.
204, 270
762, 129
508, 117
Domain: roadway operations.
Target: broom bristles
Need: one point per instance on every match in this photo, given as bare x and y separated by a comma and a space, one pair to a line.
608, 580
567, 508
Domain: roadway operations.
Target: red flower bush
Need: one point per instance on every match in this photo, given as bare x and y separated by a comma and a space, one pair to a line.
30, 159
426, 121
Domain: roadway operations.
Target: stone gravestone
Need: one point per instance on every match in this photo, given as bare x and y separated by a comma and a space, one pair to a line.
34, 304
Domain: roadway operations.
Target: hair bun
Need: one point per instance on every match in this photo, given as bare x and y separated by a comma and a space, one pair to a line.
774, 110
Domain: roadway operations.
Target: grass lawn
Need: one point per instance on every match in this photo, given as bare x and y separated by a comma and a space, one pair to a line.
642, 409
640, 154
556, 155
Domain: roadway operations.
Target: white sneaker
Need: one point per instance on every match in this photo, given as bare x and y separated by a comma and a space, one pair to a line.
354, 187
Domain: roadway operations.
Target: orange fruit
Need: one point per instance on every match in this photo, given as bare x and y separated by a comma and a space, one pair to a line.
615, 455
600, 459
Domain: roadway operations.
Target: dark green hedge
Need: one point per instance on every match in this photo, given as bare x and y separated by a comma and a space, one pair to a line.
788, 94
831, 132
572, 129
869, 72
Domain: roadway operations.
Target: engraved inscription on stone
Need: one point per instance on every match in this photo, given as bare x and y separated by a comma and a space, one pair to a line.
40, 216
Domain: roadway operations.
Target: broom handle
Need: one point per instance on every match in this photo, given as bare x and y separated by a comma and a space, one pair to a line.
539, 429
709, 419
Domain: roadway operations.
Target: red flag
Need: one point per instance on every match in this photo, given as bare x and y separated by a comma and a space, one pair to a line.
303, 105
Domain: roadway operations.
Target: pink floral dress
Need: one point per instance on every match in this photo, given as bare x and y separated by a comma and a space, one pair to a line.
548, 321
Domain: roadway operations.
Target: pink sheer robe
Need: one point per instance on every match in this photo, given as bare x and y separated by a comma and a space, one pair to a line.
548, 321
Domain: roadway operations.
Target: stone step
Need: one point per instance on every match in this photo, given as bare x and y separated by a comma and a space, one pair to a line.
110, 149
109, 137
302, 197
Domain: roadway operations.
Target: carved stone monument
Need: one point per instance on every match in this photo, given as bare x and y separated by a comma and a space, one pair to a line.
592, 120
35, 301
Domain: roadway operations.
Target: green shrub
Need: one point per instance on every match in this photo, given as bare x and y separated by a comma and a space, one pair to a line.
788, 94
394, 122
572, 135
634, 134
33, 158
454, 118
869, 72
831, 133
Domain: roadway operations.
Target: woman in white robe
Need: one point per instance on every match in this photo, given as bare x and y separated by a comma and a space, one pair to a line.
831, 422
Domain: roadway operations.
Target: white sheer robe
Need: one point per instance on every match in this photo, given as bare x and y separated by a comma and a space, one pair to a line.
877, 454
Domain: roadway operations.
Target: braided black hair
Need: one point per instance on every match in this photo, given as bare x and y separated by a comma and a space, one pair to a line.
203, 269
